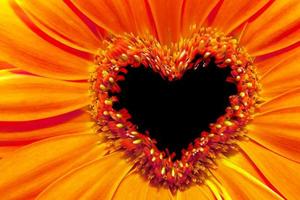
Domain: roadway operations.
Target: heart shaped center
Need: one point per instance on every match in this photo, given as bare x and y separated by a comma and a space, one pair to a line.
174, 113
192, 98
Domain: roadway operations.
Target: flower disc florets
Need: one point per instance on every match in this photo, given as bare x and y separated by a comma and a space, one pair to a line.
171, 61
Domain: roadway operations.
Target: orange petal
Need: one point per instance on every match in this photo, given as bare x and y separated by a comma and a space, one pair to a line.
196, 192
26, 97
266, 63
114, 16
97, 180
143, 22
26, 172
6, 150
278, 131
17, 133
158, 193
27, 50
240, 159
167, 19
4, 65
281, 172
134, 186
65, 26
195, 13
282, 77
231, 14
276, 28
240, 184
288, 99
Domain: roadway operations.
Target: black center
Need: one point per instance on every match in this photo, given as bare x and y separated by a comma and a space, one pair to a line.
175, 112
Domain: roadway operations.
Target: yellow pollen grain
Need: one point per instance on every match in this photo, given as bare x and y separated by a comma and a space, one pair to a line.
134, 133
137, 58
152, 151
238, 62
242, 94
108, 102
119, 115
138, 141
160, 156
228, 61
228, 123
163, 170
249, 85
206, 55
105, 113
173, 172
104, 73
218, 126
180, 164
236, 107
111, 80
124, 57
234, 41
102, 87
113, 61
119, 125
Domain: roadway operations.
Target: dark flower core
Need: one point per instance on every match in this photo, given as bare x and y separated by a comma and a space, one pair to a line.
147, 96
175, 112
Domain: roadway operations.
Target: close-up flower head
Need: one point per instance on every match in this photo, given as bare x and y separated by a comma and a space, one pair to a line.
150, 99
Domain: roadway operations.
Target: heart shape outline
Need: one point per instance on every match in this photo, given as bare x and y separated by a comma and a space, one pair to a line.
171, 61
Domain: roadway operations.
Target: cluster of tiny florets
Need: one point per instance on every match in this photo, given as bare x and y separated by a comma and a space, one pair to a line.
205, 45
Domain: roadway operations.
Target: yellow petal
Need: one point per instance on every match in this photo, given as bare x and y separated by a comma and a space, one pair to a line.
217, 189
97, 180
240, 184
231, 14
23, 45
278, 131
276, 28
281, 172
26, 172
26, 97
243, 161
64, 26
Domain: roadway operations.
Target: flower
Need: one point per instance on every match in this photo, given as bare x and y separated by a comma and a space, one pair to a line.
50, 148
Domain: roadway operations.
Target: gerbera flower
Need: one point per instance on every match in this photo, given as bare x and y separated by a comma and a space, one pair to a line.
149, 99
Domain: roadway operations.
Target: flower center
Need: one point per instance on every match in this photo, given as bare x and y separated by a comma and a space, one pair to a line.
147, 96
174, 113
